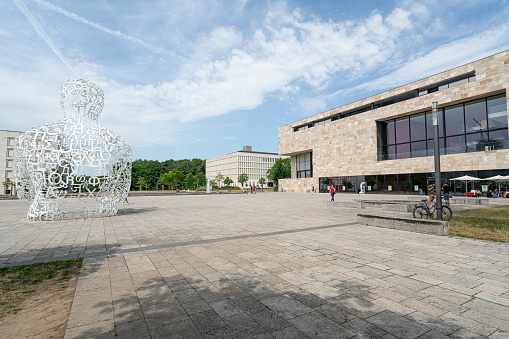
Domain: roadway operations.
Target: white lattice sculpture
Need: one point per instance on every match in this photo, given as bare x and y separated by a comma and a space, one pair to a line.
73, 168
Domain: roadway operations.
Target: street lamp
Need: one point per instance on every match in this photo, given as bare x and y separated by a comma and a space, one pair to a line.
438, 179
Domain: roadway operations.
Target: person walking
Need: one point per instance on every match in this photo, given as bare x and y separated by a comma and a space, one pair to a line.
332, 192
431, 192
447, 190
313, 189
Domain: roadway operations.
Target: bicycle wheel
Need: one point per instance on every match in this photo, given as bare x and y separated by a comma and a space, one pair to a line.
420, 212
446, 213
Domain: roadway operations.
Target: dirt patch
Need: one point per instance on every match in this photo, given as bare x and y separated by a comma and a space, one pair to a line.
45, 311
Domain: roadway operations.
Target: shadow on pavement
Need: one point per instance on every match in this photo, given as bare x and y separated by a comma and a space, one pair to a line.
242, 306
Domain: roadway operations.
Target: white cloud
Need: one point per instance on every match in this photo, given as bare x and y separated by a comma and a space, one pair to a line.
442, 58
276, 58
223, 69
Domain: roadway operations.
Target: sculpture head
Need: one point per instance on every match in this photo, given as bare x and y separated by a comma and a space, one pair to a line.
81, 98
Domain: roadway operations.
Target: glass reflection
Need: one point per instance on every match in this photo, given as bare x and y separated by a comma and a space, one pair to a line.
475, 116
454, 120
497, 112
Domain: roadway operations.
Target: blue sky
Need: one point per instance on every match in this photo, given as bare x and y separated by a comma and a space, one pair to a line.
185, 79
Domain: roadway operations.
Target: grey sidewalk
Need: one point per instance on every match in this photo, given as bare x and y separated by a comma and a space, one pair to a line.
264, 266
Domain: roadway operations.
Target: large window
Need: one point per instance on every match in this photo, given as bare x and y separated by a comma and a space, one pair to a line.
305, 165
479, 125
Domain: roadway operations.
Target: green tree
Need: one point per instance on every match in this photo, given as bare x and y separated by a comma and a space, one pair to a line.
228, 181
184, 166
262, 182
280, 170
202, 179
178, 177
242, 178
198, 166
190, 180
174, 178
219, 179
167, 179
142, 183
152, 170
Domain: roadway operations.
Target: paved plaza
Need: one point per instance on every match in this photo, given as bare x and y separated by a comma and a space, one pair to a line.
270, 265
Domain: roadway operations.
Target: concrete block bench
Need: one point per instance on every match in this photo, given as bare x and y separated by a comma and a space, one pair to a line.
436, 227
344, 204
457, 200
388, 205
469, 201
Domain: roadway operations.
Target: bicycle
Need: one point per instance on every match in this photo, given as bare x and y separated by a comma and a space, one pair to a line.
428, 212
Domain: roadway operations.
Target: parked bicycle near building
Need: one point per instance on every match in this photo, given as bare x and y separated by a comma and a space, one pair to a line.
423, 211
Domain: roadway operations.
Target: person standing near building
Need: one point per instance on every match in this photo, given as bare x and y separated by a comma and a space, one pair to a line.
447, 190
332, 192
431, 192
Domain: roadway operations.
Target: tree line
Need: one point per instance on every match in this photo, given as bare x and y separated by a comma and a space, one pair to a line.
183, 174
187, 174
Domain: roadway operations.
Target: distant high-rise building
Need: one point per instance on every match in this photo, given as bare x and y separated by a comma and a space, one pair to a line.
8, 141
254, 164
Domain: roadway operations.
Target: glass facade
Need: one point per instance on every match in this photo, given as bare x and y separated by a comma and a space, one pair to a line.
479, 125
305, 165
460, 80
412, 183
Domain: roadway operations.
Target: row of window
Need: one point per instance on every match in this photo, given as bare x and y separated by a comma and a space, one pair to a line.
413, 183
305, 165
470, 77
474, 126
255, 159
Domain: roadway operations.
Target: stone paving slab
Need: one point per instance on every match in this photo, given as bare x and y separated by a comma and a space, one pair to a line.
272, 265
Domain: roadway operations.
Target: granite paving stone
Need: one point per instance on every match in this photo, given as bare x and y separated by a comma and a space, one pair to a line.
316, 325
271, 265
397, 325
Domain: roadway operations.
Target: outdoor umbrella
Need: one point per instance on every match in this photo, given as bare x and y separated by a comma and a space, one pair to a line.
497, 178
467, 179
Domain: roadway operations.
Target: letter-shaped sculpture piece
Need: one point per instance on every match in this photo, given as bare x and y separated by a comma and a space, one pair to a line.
73, 168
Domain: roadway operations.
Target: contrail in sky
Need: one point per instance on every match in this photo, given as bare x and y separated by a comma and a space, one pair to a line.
98, 26
42, 33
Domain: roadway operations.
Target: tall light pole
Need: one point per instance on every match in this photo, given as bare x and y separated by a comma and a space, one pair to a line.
438, 179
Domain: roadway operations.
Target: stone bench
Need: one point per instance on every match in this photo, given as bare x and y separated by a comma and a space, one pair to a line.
388, 205
457, 200
384, 205
469, 201
436, 227
344, 204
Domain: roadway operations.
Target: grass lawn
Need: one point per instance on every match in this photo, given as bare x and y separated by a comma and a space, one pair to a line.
17, 282
484, 223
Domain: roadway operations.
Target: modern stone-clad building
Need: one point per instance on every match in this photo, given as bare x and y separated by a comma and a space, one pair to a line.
254, 164
386, 140
8, 142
